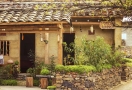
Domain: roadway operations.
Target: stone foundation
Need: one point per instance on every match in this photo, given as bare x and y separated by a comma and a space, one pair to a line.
91, 81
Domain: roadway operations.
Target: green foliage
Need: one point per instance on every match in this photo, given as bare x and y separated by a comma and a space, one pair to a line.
16, 62
45, 71
80, 69
8, 82
116, 58
69, 50
95, 52
52, 64
38, 64
31, 71
51, 87
6, 72
129, 64
36, 82
59, 68
128, 61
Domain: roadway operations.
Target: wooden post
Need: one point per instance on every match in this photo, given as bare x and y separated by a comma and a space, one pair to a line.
47, 49
29, 81
44, 83
60, 44
117, 33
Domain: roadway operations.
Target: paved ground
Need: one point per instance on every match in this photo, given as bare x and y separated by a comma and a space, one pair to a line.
19, 88
123, 86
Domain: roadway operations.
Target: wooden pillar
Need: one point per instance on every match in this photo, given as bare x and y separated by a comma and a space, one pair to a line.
117, 33
60, 44
46, 48
29, 81
44, 83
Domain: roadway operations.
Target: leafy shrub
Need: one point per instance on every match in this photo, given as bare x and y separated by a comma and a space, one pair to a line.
36, 82
80, 69
51, 87
59, 68
45, 71
128, 61
9, 82
5, 72
97, 53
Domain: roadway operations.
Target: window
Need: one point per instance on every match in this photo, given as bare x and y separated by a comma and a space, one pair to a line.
124, 36
4, 47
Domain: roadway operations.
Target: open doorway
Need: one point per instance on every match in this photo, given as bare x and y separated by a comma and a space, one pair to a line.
68, 57
27, 45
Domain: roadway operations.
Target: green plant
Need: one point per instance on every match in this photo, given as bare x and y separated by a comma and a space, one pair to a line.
80, 69
31, 71
6, 72
36, 82
16, 62
52, 64
45, 71
59, 68
51, 87
9, 82
38, 64
64, 43
69, 53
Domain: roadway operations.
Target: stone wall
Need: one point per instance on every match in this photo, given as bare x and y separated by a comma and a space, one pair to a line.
126, 73
91, 81
108, 35
14, 46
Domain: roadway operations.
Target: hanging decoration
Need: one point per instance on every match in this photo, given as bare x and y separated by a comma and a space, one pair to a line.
91, 31
41, 38
22, 36
106, 25
80, 29
71, 27
58, 38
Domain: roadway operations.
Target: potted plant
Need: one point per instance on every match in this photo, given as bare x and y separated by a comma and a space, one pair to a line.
51, 87
45, 71
64, 43
16, 62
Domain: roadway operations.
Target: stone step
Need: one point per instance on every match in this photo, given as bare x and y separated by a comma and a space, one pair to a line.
22, 76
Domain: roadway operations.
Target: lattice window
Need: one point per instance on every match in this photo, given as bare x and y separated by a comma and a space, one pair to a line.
4, 47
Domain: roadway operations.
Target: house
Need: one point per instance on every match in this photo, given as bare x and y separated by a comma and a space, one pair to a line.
23, 28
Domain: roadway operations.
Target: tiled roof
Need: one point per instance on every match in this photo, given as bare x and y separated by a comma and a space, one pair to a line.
33, 16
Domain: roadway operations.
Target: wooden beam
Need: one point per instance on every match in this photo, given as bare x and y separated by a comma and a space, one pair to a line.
28, 26
6, 25
29, 31
35, 23
85, 23
94, 16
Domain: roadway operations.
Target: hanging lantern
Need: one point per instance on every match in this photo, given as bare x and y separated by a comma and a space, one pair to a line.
91, 29
71, 29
